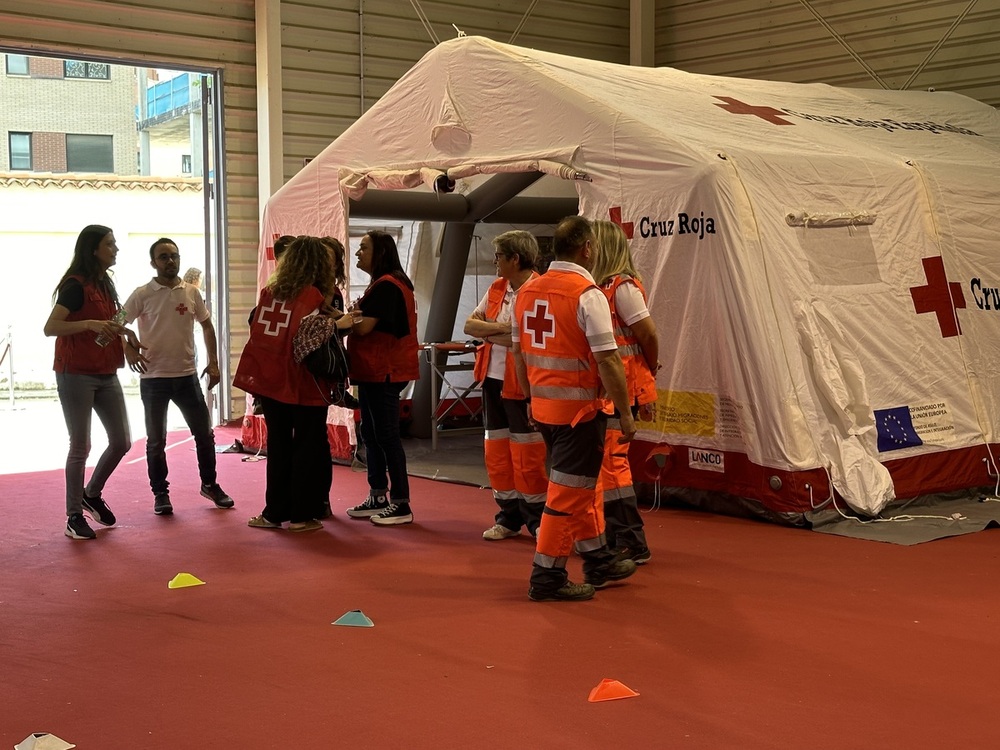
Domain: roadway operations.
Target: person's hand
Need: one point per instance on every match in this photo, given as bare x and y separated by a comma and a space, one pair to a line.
107, 328
627, 427
531, 419
213, 374
137, 362
646, 413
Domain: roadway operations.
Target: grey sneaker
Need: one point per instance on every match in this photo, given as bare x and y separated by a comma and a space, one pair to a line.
568, 592
372, 505
98, 510
614, 571
161, 504
78, 528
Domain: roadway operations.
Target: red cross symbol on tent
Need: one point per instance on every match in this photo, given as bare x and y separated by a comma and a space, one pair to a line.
616, 216
181, 308
772, 115
269, 247
275, 317
540, 323
939, 296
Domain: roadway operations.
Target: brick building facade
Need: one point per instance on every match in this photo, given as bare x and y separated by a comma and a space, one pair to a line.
67, 116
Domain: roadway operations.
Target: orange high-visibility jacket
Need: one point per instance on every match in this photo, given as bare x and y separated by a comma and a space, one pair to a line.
494, 302
562, 371
638, 376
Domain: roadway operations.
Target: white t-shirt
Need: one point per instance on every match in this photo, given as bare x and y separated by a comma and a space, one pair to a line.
498, 354
166, 317
629, 304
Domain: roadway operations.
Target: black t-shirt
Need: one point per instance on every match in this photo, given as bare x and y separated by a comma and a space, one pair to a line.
385, 302
70, 295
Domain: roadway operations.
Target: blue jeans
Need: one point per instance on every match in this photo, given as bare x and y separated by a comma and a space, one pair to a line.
384, 454
157, 393
80, 395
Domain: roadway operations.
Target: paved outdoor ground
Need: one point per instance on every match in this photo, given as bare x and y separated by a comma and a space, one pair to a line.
33, 433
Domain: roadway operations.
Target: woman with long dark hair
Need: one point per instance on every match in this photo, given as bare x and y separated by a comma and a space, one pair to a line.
384, 357
298, 448
89, 352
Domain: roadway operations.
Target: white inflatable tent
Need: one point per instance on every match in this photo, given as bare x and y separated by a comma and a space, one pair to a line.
823, 264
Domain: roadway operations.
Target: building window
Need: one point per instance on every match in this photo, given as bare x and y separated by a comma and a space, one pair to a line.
17, 65
185, 163
90, 153
78, 69
20, 152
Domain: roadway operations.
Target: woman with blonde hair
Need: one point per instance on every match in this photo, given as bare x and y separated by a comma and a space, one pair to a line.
615, 272
298, 448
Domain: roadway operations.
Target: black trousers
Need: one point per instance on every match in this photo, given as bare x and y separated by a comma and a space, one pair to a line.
299, 466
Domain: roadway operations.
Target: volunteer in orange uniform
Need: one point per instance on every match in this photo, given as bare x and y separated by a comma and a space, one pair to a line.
565, 351
384, 357
514, 451
635, 333
298, 447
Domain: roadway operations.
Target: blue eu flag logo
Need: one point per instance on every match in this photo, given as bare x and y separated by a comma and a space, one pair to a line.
895, 429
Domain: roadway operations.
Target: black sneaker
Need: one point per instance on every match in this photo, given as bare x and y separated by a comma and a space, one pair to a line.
372, 505
161, 504
568, 592
638, 555
78, 528
217, 495
98, 510
394, 515
613, 571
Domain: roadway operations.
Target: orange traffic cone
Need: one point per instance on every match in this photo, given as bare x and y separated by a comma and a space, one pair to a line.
610, 690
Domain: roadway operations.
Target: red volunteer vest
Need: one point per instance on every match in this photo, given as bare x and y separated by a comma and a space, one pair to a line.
266, 366
79, 354
380, 357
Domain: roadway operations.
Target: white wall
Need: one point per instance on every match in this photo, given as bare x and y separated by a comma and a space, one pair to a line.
38, 230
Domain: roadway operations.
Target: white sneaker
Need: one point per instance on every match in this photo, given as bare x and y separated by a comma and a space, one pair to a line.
497, 532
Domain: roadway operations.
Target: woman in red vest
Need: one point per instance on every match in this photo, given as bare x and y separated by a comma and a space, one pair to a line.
384, 357
88, 354
299, 467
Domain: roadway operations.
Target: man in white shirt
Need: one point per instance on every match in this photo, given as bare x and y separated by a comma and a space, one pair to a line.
166, 309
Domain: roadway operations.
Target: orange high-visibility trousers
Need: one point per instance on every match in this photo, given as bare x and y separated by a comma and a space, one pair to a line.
623, 522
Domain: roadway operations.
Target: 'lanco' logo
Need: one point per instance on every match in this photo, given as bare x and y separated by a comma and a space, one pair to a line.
705, 460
